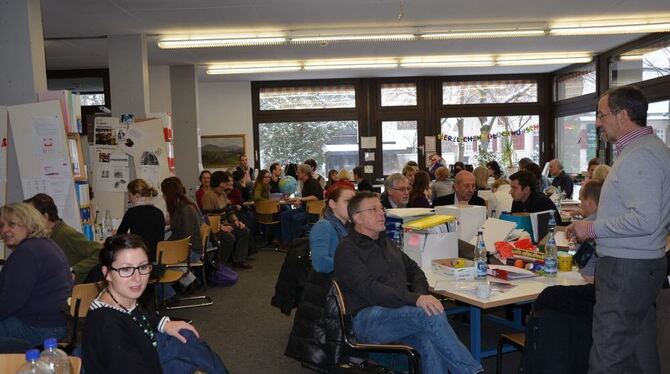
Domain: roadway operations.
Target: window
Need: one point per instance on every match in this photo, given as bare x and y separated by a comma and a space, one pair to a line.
318, 97
398, 94
333, 144
576, 82
399, 145
489, 92
577, 141
641, 64
88, 99
658, 117
477, 140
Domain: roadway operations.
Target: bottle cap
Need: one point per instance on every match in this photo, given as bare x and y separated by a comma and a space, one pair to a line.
32, 354
50, 343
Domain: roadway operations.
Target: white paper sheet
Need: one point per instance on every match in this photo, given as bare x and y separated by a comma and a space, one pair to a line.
368, 142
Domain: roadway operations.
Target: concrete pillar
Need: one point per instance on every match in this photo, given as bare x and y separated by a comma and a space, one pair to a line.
128, 74
184, 87
22, 64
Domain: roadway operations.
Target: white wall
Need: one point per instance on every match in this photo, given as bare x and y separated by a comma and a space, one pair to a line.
159, 89
224, 109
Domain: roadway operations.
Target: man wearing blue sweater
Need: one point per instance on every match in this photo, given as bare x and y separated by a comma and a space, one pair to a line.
630, 231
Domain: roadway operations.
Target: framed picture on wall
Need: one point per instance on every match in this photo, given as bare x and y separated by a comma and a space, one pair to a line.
221, 151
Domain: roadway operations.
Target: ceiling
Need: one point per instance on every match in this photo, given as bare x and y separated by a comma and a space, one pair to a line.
66, 21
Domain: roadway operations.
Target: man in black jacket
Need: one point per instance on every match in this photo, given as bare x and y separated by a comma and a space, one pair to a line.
465, 187
560, 178
386, 294
527, 199
359, 177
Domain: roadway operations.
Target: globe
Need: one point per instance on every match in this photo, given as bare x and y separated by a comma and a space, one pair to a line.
288, 185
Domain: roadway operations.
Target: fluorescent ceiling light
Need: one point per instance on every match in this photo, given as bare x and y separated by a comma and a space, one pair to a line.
482, 34
357, 38
445, 64
641, 27
347, 66
543, 59
251, 70
447, 61
632, 57
196, 42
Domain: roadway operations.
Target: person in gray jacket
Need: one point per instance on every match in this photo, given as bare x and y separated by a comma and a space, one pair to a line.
630, 231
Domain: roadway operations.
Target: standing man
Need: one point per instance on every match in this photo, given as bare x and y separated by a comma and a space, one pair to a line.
630, 231
293, 221
386, 294
560, 178
465, 188
247, 180
361, 183
275, 176
396, 191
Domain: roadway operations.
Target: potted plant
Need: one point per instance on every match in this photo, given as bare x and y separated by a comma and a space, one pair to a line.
508, 156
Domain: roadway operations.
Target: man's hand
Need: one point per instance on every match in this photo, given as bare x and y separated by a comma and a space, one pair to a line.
579, 230
226, 228
430, 305
239, 224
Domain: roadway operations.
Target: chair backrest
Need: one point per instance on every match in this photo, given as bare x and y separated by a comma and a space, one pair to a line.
170, 252
267, 207
214, 223
343, 311
82, 297
316, 207
205, 229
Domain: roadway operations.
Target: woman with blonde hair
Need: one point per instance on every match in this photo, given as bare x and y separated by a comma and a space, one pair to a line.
442, 185
409, 171
142, 217
262, 186
600, 173
35, 281
481, 177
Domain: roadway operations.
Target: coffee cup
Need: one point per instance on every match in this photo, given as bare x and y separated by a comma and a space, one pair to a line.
565, 263
483, 291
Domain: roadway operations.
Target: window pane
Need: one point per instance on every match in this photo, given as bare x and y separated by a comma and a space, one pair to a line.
641, 64
398, 94
577, 140
333, 144
509, 139
399, 145
287, 98
492, 92
658, 117
577, 82
92, 99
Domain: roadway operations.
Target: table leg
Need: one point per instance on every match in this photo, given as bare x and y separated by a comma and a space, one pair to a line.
475, 333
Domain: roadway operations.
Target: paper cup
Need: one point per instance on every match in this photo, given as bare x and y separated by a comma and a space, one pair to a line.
483, 291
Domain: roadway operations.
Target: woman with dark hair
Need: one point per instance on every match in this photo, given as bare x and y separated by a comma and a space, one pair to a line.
458, 166
494, 170
314, 338
120, 337
332, 178
262, 186
205, 177
417, 195
35, 281
143, 218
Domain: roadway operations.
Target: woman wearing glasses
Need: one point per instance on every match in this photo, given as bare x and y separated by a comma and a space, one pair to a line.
121, 337
262, 186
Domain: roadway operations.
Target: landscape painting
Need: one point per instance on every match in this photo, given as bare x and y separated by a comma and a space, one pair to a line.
221, 151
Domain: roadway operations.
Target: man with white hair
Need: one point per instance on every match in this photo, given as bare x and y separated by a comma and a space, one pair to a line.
465, 188
560, 178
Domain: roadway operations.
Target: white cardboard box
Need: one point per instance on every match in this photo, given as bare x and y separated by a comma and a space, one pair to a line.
470, 218
424, 248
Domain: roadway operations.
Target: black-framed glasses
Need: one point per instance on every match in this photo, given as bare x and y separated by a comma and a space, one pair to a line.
128, 271
602, 115
375, 210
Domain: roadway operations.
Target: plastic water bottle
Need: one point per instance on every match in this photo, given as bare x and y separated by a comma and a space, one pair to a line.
480, 257
550, 256
108, 226
397, 236
33, 365
55, 358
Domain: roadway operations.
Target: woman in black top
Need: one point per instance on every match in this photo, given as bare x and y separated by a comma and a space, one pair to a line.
120, 337
143, 218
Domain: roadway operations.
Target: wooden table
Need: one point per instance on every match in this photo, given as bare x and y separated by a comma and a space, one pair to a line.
526, 291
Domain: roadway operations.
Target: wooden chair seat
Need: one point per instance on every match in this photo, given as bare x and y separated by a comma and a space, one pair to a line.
517, 339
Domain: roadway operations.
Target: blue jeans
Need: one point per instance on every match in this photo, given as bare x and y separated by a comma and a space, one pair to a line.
292, 224
16, 336
432, 336
178, 357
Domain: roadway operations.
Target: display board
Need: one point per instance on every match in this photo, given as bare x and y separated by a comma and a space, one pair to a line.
41, 148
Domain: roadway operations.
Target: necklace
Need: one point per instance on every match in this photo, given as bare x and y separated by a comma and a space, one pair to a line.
142, 322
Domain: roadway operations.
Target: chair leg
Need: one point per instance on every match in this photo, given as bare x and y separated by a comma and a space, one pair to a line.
501, 342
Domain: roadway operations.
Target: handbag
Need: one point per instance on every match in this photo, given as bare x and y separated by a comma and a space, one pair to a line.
224, 276
583, 254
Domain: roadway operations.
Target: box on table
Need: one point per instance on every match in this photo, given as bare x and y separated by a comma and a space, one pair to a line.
396, 218
470, 218
423, 246
457, 268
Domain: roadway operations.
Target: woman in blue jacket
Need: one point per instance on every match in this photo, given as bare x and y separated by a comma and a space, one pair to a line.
327, 232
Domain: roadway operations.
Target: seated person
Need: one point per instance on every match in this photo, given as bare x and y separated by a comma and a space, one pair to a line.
386, 294
396, 191
465, 186
81, 253
276, 173
205, 176
35, 281
561, 179
523, 188
442, 185
121, 337
418, 197
344, 178
234, 235
262, 186
589, 195
293, 221
362, 184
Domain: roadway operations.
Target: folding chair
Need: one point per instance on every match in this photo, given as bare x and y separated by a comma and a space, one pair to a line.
314, 210
350, 340
517, 339
265, 211
81, 299
173, 254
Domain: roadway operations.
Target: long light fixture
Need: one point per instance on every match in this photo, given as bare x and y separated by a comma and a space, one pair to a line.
221, 41
482, 34
629, 27
445, 61
351, 38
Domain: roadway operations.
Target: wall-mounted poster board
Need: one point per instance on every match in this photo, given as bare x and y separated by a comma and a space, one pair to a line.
41, 149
